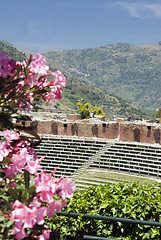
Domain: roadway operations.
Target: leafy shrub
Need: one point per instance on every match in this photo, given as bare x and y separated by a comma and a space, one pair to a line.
134, 201
84, 110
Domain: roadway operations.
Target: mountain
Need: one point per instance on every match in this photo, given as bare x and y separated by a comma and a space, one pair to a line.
12, 51
77, 89
130, 72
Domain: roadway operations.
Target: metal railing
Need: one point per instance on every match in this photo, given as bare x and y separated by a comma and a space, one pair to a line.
105, 218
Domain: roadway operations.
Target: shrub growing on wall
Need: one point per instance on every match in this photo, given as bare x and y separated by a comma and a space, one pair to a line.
85, 110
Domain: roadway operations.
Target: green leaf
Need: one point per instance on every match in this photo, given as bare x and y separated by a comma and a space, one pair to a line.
6, 160
31, 190
27, 179
6, 200
26, 72
2, 218
7, 224
13, 193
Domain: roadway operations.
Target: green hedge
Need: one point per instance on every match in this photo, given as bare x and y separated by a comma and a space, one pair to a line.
133, 201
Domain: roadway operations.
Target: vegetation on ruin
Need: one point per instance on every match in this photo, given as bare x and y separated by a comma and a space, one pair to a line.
85, 110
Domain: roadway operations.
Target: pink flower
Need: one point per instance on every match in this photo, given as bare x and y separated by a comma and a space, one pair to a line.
32, 79
26, 217
9, 172
10, 135
18, 162
38, 65
44, 186
19, 233
7, 66
59, 78
45, 235
33, 166
54, 94
65, 188
56, 205
20, 159
5, 147
26, 101
19, 213
13, 184
47, 186
41, 213
4, 150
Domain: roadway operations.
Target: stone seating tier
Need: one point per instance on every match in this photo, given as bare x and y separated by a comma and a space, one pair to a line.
67, 154
70, 155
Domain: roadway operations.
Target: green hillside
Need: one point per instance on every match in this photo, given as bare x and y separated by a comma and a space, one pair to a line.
130, 72
12, 51
79, 90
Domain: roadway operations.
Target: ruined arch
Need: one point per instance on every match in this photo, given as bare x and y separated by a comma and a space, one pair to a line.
95, 130
54, 128
157, 136
74, 129
137, 135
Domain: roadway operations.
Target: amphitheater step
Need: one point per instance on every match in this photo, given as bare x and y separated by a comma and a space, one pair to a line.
76, 154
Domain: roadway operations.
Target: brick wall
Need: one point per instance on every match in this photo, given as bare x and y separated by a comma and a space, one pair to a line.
140, 133
123, 131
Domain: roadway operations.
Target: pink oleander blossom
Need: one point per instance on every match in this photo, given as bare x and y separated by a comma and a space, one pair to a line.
4, 150
21, 155
23, 82
19, 233
38, 65
33, 166
5, 146
44, 183
7, 66
56, 205
54, 94
45, 235
26, 217
9, 172
59, 78
32, 77
20, 159
47, 186
65, 188
10, 135
13, 184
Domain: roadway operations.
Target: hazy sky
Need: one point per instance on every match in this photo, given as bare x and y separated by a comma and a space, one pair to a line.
40, 25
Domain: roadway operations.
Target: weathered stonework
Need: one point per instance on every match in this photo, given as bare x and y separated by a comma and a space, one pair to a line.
133, 131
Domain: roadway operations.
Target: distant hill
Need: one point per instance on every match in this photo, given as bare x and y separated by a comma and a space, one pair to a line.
77, 89
12, 51
130, 72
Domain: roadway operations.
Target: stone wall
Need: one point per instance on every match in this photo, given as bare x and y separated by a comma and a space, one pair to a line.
80, 129
141, 131
144, 133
